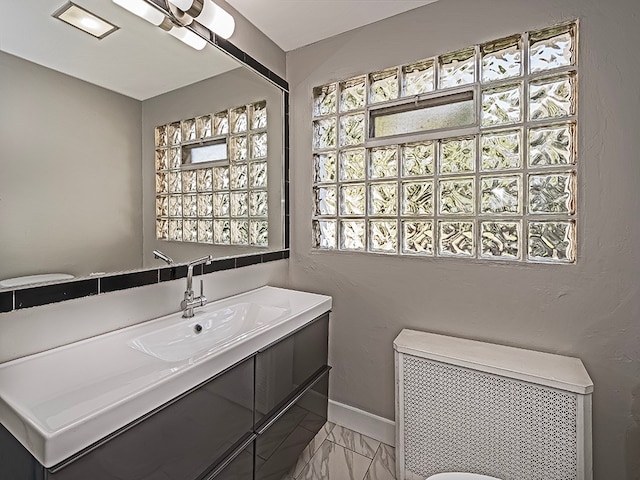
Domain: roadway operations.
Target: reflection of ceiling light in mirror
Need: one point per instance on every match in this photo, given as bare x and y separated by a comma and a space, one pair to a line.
143, 10
84, 20
208, 14
152, 15
188, 37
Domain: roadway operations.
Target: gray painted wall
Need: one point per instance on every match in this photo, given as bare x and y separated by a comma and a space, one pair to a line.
590, 310
231, 89
69, 174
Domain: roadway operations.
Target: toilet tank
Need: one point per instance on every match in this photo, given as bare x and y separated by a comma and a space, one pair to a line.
469, 406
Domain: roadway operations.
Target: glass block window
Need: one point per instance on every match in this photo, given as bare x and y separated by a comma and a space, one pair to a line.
211, 178
471, 154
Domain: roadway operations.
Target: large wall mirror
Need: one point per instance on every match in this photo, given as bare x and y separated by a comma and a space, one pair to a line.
79, 162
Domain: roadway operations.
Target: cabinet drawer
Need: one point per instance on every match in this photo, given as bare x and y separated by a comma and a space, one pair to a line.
180, 441
284, 366
279, 446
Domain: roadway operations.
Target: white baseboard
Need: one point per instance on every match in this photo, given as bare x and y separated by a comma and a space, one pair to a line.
380, 428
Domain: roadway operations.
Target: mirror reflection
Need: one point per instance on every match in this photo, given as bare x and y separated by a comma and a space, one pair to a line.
83, 187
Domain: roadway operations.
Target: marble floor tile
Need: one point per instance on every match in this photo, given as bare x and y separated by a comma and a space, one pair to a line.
310, 449
383, 466
354, 441
334, 462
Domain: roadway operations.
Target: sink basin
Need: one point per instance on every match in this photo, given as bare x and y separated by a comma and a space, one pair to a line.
193, 338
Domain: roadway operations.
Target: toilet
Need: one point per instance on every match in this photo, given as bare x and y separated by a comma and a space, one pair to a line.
460, 476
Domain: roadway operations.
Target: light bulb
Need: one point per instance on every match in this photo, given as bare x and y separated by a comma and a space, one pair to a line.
143, 10
219, 21
188, 37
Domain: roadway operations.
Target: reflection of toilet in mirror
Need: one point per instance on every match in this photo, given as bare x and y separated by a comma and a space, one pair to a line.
30, 279
492, 411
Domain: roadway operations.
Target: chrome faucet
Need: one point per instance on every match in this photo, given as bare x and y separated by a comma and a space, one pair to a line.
190, 301
166, 258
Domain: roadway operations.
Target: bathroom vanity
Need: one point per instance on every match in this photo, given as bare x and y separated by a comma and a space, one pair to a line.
236, 392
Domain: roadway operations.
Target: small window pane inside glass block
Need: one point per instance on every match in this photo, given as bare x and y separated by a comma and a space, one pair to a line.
417, 198
552, 193
325, 167
444, 112
324, 234
456, 239
501, 151
221, 124
239, 120
351, 129
352, 199
259, 115
500, 195
502, 59
502, 105
383, 199
417, 159
457, 68
324, 134
384, 162
553, 145
324, 100
209, 152
189, 130
352, 235
259, 145
417, 237
552, 48
418, 78
457, 196
552, 97
352, 164
204, 126
457, 155
383, 236
383, 86
326, 200
161, 136
500, 240
352, 94
552, 241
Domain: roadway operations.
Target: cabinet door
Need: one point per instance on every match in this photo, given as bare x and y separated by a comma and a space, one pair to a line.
282, 367
279, 446
178, 442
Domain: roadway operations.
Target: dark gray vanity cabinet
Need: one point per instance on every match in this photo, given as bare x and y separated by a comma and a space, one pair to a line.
251, 421
179, 441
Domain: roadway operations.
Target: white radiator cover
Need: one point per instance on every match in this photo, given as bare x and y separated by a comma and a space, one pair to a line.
469, 406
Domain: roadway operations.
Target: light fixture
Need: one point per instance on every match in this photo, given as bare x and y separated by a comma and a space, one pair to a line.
208, 14
154, 16
84, 20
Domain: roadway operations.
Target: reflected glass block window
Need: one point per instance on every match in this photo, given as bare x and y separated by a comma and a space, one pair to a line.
469, 154
222, 199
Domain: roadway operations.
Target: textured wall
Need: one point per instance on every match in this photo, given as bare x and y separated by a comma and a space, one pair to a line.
69, 174
590, 310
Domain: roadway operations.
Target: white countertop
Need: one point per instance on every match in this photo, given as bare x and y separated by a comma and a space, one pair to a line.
60, 401
556, 371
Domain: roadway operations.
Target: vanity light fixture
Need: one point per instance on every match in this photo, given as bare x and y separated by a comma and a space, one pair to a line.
207, 13
154, 16
84, 20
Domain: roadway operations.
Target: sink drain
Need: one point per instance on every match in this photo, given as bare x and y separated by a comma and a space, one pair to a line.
197, 328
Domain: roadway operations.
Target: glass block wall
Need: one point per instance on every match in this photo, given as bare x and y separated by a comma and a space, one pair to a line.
503, 190
222, 202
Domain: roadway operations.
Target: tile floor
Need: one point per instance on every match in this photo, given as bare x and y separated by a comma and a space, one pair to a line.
337, 453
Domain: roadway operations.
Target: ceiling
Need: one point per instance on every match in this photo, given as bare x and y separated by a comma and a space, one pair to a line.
139, 60
293, 24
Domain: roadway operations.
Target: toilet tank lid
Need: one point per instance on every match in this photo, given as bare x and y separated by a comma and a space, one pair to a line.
28, 279
556, 371
460, 476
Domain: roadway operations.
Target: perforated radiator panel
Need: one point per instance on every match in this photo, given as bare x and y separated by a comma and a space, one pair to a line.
456, 419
